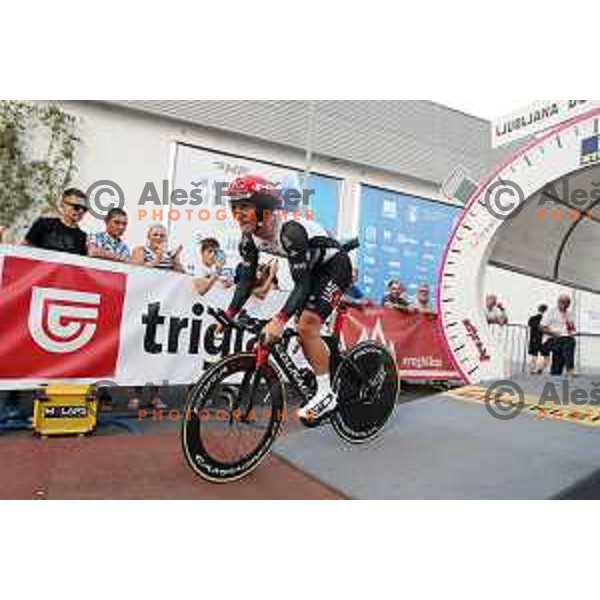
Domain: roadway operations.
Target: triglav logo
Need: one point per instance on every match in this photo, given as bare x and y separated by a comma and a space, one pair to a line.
62, 321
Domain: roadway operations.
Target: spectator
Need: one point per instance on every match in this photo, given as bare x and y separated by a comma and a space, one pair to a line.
210, 267
155, 253
108, 244
266, 280
422, 301
536, 346
559, 324
396, 296
62, 234
494, 311
2, 230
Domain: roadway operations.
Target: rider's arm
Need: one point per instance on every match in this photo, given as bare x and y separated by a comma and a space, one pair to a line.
301, 261
247, 275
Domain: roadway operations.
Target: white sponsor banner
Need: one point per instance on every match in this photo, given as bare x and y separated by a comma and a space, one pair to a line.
538, 117
82, 320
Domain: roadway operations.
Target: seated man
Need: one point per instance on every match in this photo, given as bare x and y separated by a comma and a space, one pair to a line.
320, 268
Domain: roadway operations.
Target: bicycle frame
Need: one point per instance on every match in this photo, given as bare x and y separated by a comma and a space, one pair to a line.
288, 367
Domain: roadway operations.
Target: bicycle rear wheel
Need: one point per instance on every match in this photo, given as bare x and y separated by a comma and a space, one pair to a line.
232, 417
367, 385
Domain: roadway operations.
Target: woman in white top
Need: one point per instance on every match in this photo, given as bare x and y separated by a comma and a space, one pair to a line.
155, 253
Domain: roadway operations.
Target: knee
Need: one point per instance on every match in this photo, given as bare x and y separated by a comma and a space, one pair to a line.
309, 326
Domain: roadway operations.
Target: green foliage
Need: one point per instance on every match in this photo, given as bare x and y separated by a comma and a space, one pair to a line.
37, 156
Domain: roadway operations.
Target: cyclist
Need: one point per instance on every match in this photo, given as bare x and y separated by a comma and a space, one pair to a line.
320, 268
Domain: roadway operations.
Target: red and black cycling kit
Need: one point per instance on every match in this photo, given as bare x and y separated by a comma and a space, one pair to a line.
320, 268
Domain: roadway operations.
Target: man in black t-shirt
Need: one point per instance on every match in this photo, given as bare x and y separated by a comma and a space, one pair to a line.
62, 234
536, 346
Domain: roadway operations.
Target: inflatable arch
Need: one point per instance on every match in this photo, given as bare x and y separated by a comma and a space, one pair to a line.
556, 154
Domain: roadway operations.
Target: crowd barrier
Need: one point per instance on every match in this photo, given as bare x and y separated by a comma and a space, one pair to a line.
82, 320
514, 342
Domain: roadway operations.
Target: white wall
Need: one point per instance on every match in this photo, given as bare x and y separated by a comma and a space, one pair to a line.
521, 294
132, 148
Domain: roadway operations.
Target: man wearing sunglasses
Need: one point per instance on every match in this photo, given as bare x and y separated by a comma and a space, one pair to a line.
62, 234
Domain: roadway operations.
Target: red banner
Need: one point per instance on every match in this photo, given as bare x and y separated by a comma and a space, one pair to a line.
413, 338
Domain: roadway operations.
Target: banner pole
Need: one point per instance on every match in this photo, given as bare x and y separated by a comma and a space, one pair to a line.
309, 141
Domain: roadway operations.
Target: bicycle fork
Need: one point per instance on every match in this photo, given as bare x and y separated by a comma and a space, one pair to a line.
250, 383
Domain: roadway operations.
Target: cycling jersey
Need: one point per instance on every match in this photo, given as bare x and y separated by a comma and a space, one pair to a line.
320, 268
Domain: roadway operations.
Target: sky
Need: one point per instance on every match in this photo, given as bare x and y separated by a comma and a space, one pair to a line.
487, 109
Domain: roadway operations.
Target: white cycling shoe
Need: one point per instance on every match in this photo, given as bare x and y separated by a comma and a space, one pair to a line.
320, 406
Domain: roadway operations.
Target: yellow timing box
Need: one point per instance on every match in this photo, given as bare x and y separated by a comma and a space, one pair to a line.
61, 409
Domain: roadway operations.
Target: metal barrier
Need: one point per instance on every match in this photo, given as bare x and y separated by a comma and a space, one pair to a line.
514, 340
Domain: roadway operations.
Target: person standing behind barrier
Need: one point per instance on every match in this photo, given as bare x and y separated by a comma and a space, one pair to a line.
559, 325
210, 267
62, 234
155, 253
536, 346
423, 300
395, 296
109, 244
495, 313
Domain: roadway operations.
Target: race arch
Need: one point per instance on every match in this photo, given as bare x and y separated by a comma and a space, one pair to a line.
558, 153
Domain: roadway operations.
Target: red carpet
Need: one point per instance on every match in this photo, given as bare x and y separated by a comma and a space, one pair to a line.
134, 467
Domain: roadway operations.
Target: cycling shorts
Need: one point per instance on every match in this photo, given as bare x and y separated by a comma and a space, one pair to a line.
329, 282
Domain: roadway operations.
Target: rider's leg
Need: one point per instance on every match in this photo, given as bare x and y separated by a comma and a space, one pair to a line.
329, 283
314, 348
317, 354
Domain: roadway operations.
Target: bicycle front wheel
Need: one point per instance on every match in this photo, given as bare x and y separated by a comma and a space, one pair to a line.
232, 417
367, 385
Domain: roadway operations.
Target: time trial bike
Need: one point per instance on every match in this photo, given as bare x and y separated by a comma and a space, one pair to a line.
235, 411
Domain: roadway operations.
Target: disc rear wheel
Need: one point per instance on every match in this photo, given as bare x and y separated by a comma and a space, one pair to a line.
367, 385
